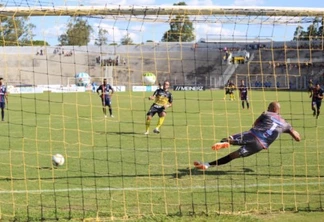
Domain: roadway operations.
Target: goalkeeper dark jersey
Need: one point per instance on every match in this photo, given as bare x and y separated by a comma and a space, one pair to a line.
268, 127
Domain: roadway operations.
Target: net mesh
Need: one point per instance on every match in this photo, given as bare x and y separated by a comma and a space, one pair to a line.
112, 171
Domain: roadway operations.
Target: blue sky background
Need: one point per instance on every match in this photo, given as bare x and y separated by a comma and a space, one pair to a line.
49, 28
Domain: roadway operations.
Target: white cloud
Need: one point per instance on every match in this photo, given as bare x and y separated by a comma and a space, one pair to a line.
248, 2
116, 33
122, 2
214, 31
200, 3
49, 28
56, 30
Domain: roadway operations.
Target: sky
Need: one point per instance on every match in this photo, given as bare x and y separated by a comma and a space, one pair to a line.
50, 28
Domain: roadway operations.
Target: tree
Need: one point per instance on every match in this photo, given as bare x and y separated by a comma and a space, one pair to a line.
77, 33
314, 31
102, 38
298, 32
126, 40
15, 31
320, 32
181, 29
40, 43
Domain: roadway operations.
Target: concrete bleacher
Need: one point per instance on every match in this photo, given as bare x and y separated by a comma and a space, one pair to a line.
182, 64
286, 67
179, 63
46, 69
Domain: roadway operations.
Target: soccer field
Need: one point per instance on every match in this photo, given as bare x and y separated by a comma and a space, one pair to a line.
114, 171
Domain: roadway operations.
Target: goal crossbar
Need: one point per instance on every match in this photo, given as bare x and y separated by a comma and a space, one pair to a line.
159, 10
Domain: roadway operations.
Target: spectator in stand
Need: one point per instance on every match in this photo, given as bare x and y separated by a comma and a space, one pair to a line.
98, 60
116, 62
109, 62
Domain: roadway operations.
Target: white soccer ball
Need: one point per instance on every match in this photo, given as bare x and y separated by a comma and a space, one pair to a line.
82, 79
58, 160
149, 78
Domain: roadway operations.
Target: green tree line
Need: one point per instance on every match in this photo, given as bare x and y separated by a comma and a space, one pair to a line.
313, 32
18, 31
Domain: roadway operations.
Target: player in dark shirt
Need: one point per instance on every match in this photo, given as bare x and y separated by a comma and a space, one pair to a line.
3, 98
105, 91
163, 100
244, 94
317, 96
266, 129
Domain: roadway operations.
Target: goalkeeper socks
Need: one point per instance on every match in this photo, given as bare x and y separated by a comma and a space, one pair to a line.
221, 161
160, 122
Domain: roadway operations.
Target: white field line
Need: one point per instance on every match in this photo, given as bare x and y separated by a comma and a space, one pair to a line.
143, 149
156, 188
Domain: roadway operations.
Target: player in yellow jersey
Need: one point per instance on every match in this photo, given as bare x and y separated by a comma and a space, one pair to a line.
232, 87
229, 89
163, 100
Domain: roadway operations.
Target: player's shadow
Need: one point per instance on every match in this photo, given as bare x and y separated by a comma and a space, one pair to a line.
178, 175
193, 171
118, 133
46, 168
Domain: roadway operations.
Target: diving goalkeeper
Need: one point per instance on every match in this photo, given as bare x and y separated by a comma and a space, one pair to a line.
266, 129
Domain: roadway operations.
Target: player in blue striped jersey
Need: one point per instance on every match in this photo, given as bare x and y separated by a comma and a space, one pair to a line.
105, 91
3, 98
317, 97
244, 94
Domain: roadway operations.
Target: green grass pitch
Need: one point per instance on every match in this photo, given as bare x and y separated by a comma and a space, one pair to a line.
113, 170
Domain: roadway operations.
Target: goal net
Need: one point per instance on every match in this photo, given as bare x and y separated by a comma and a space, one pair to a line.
52, 59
